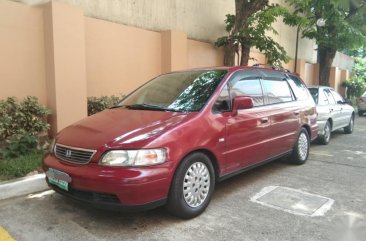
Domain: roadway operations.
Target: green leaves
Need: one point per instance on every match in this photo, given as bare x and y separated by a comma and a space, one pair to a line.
20, 125
19, 145
27, 116
357, 84
254, 31
96, 104
345, 22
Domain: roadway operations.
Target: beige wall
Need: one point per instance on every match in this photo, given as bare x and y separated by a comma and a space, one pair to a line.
200, 19
65, 64
119, 58
22, 54
56, 53
201, 54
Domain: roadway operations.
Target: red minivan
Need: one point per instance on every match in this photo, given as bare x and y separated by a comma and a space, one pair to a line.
172, 139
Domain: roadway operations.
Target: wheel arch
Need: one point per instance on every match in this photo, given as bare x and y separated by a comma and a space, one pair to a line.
210, 155
307, 128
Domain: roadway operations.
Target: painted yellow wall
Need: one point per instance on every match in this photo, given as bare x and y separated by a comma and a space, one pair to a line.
22, 53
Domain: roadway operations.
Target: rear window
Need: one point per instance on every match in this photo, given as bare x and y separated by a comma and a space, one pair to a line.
299, 88
277, 91
315, 94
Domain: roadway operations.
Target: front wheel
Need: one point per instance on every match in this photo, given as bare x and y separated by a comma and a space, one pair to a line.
349, 129
300, 151
192, 186
325, 138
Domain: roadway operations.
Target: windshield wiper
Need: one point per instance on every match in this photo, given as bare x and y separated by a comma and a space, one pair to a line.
148, 107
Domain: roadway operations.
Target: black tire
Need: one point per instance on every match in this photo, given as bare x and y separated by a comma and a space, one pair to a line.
177, 201
300, 152
325, 138
349, 129
360, 113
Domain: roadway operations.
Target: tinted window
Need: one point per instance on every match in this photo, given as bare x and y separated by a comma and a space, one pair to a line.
315, 94
299, 88
248, 87
181, 91
329, 96
277, 91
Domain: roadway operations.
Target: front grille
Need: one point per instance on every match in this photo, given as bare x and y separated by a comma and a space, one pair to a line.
73, 154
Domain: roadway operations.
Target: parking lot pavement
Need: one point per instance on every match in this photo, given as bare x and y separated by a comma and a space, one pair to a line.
237, 212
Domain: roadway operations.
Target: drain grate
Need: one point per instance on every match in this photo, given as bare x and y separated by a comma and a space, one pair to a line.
293, 201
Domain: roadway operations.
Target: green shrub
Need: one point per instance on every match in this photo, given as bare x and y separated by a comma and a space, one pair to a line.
355, 87
20, 166
96, 104
19, 145
27, 116
21, 125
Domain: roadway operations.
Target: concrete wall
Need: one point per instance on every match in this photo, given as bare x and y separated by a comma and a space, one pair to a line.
200, 19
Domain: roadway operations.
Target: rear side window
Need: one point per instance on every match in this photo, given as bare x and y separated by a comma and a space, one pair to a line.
248, 87
337, 97
277, 91
329, 97
298, 87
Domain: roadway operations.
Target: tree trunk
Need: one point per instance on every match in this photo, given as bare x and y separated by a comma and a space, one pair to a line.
245, 51
325, 60
229, 56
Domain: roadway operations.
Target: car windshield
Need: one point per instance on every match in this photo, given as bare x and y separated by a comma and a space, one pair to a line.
314, 93
180, 91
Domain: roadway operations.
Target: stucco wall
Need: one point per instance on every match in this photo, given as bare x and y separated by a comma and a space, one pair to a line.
200, 19
203, 54
22, 54
119, 58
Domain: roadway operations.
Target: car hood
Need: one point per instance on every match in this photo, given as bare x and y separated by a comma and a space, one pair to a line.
119, 127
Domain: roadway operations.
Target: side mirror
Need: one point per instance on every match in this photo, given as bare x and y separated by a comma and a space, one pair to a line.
241, 103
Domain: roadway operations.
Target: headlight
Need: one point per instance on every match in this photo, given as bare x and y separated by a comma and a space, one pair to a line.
143, 157
52, 145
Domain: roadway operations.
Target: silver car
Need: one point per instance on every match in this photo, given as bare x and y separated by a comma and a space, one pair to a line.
333, 112
361, 104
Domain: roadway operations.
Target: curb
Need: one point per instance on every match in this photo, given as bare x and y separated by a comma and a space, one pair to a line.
23, 186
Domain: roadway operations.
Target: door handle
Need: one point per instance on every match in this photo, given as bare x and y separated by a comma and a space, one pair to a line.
296, 112
264, 120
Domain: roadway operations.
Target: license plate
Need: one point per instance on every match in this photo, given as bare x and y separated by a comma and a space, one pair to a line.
58, 178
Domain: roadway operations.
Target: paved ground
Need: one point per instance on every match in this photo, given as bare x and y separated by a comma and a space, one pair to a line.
336, 171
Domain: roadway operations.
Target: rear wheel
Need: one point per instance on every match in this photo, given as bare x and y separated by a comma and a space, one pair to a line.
300, 151
349, 129
360, 113
192, 186
325, 138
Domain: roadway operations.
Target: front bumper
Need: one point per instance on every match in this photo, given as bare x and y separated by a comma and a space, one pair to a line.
114, 187
361, 107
